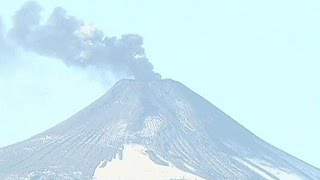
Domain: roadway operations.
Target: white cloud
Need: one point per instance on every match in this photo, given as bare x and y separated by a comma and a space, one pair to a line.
85, 32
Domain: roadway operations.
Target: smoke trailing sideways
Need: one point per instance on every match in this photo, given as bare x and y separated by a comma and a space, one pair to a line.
5, 49
2, 39
79, 44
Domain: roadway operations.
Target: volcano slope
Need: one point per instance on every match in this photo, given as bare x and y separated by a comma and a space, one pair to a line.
149, 130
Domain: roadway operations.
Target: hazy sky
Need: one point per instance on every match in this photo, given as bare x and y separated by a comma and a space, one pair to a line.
258, 61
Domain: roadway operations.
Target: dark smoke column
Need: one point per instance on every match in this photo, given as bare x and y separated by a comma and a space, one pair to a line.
2, 41
79, 44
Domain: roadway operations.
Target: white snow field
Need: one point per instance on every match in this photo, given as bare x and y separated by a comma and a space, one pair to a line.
136, 165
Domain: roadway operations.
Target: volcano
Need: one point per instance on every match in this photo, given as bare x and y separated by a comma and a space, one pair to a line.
148, 130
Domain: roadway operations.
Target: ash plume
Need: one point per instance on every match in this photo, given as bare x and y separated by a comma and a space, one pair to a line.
79, 44
2, 43
5, 48
2, 38
1, 31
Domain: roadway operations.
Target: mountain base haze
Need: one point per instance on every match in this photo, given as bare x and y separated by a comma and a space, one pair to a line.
154, 129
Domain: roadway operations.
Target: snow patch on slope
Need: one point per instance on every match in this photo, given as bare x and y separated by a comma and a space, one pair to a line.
135, 164
268, 171
152, 126
279, 173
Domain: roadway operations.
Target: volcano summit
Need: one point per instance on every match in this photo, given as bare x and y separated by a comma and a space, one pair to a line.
149, 130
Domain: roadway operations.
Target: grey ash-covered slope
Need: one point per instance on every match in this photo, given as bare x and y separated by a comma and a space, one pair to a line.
171, 121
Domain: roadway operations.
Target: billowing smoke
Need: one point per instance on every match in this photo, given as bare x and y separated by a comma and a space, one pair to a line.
79, 44
5, 49
2, 39
2, 43
1, 31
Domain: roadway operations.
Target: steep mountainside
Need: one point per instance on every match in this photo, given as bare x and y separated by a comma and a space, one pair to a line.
140, 129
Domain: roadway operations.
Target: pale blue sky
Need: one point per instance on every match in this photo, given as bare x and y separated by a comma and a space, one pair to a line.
256, 60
